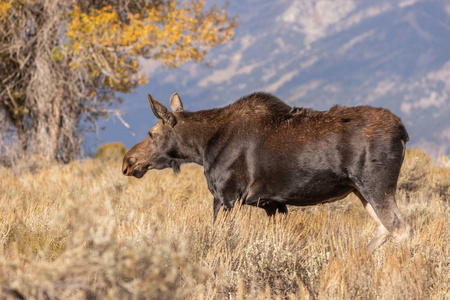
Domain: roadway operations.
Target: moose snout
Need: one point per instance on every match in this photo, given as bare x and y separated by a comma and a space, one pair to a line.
124, 168
127, 165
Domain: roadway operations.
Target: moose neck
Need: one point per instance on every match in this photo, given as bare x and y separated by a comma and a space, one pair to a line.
195, 131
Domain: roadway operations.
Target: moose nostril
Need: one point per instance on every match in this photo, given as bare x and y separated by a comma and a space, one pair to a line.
124, 170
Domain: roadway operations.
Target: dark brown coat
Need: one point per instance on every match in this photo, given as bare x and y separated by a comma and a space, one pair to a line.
267, 154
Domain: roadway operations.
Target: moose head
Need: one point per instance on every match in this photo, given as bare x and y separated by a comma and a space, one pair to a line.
160, 149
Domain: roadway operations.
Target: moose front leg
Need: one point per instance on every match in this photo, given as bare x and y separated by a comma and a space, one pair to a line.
217, 205
224, 189
219, 202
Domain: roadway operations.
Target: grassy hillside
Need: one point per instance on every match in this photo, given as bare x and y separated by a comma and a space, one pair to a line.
84, 231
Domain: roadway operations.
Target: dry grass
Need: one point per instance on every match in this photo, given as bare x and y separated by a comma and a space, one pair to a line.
84, 231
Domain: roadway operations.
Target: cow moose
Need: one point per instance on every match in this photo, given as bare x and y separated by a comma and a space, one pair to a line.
263, 152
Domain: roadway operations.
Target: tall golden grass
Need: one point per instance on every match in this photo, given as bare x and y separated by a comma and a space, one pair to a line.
84, 231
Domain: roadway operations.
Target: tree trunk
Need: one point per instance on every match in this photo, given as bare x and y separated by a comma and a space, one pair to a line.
44, 136
45, 100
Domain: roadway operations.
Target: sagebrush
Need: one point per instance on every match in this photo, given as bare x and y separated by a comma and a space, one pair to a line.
84, 231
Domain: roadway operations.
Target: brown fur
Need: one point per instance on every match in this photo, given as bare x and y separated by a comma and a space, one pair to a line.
268, 154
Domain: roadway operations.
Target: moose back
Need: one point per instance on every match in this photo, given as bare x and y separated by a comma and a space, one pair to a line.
268, 154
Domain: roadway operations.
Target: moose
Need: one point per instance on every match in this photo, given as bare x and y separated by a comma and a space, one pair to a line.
264, 153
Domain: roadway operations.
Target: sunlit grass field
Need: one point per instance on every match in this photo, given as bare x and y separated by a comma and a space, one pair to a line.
85, 231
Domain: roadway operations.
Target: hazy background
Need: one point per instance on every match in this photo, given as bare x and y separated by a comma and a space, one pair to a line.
394, 54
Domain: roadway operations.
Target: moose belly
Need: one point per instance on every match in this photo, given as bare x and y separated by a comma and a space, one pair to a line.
306, 197
304, 189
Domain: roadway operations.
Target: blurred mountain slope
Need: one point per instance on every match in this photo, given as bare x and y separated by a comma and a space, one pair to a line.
394, 54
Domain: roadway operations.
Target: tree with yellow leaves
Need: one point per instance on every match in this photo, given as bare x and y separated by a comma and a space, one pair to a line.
62, 62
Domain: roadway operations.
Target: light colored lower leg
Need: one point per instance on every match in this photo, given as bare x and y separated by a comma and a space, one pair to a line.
382, 233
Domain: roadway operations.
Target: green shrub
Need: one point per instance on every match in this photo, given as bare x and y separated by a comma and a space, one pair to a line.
111, 151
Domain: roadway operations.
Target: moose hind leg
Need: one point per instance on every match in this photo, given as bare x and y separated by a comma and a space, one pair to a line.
387, 216
382, 233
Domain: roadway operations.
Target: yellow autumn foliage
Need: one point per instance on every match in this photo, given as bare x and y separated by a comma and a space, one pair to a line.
110, 40
4, 9
107, 42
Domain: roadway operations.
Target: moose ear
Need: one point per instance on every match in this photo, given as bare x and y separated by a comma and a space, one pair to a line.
161, 112
175, 103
